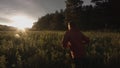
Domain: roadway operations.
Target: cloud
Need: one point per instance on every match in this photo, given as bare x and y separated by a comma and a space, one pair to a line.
31, 8
35, 8
5, 20
28, 7
51, 5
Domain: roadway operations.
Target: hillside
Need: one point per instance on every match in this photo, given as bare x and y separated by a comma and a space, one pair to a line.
7, 28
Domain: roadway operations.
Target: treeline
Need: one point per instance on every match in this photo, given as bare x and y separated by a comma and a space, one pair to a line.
53, 21
104, 15
7, 28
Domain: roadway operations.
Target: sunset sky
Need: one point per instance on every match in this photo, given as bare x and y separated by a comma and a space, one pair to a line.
25, 12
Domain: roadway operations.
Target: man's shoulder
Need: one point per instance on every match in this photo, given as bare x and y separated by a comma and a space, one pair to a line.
67, 31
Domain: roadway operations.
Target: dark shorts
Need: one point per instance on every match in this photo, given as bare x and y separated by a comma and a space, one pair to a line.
80, 62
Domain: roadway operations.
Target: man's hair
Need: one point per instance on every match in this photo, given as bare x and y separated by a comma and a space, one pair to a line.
72, 24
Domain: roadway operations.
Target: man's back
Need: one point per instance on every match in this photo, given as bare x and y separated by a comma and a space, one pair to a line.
77, 40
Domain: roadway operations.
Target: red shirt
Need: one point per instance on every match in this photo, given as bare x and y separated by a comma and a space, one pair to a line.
77, 41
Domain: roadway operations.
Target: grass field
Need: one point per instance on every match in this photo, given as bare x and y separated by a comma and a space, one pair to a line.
43, 49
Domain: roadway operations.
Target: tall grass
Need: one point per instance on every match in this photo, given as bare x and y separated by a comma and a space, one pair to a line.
43, 49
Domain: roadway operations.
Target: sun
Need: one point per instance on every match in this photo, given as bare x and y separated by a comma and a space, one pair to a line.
21, 22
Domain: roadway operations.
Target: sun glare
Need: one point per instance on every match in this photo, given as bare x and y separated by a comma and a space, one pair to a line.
21, 22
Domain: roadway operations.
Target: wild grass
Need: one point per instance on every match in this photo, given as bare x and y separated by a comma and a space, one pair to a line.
43, 49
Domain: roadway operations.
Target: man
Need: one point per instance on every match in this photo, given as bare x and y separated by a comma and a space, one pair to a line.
75, 40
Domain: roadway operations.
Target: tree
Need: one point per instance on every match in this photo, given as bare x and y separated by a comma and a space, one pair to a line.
52, 21
73, 10
108, 13
104, 15
57, 21
42, 23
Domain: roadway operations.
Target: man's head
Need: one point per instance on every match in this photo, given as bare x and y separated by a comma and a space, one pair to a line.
72, 24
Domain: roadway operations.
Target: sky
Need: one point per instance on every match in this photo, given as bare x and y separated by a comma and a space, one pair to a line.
12, 11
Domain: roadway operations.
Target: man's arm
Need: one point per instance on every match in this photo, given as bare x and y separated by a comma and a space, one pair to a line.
65, 41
